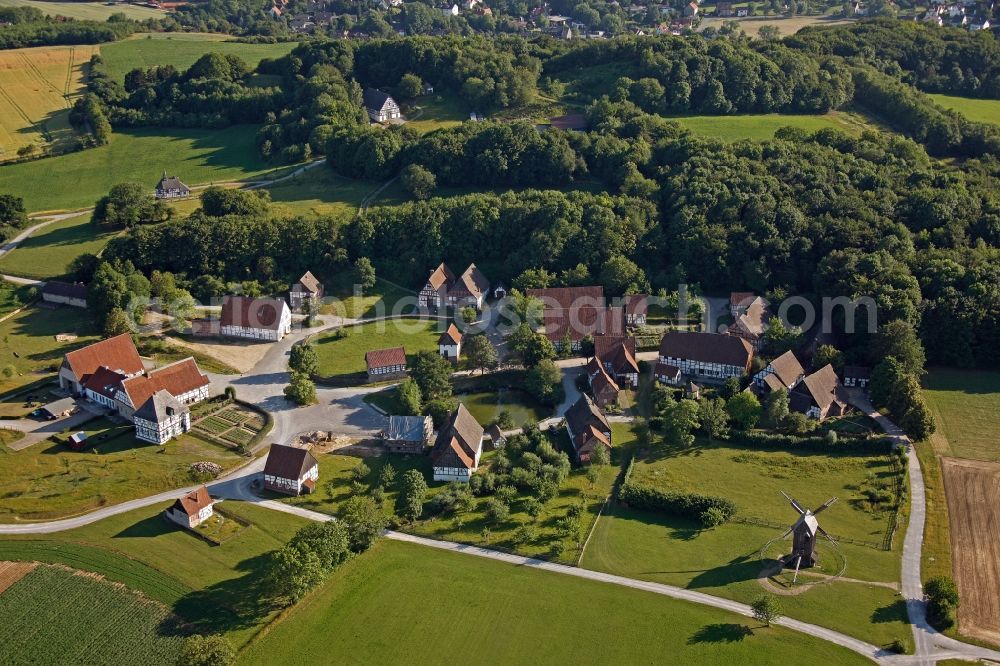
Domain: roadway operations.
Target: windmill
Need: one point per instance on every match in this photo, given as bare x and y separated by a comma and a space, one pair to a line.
804, 533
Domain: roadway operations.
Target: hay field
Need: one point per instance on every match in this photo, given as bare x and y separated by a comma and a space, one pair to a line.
972, 488
87, 11
37, 88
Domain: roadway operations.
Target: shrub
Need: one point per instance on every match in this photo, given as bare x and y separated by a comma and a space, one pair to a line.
942, 600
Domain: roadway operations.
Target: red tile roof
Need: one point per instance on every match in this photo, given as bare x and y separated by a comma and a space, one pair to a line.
619, 351
636, 304
105, 382
441, 275
458, 441
176, 379
385, 358
117, 353
566, 297
450, 337
193, 502
741, 298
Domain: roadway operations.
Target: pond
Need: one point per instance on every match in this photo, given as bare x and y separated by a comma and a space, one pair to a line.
486, 406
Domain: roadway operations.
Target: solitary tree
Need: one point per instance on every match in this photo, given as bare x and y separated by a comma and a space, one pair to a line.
714, 418
365, 521
480, 352
301, 389
766, 609
210, 650
410, 502
364, 272
303, 358
678, 420
745, 409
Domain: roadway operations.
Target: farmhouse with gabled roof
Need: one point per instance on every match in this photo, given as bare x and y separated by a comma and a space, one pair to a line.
587, 428
290, 470
171, 187
192, 509
385, 363
307, 290
255, 318
381, 106
443, 288
708, 356
458, 446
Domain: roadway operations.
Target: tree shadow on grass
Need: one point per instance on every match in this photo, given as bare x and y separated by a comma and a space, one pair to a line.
720, 633
229, 605
894, 612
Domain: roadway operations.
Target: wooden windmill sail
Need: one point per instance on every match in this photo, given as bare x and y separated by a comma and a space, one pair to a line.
804, 533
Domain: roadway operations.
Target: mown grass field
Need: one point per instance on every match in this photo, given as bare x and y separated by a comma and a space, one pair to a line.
965, 404
77, 180
467, 526
726, 560
49, 480
29, 343
48, 253
37, 88
180, 50
87, 11
763, 126
497, 613
319, 191
426, 114
786, 26
216, 589
486, 406
981, 110
342, 357
53, 615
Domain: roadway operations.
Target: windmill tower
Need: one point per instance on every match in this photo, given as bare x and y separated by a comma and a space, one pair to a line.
804, 533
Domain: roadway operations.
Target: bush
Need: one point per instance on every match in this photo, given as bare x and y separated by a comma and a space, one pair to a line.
692, 506
942, 600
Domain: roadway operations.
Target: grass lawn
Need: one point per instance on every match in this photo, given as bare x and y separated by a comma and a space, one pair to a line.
343, 357
426, 114
29, 343
12, 296
726, 560
335, 488
77, 180
510, 615
487, 405
965, 404
40, 622
786, 25
48, 253
980, 110
319, 191
763, 126
49, 480
88, 11
935, 556
180, 50
214, 588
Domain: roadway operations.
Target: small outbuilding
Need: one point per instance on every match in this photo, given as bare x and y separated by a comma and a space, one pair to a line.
192, 509
450, 343
385, 364
408, 434
65, 293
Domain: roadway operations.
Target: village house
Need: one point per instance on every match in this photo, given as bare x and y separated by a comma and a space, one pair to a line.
117, 354
587, 428
450, 10
110, 373
192, 509
408, 434
381, 106
818, 395
579, 312
742, 12
290, 470
308, 290
636, 309
857, 376
160, 418
707, 356
752, 323
692, 391
443, 288
783, 372
65, 293
385, 364
255, 318
497, 438
458, 446
171, 187
739, 301
604, 388
691, 9
616, 354
450, 343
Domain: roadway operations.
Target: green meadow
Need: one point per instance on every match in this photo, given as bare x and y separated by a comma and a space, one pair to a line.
402, 602
180, 50
981, 110
965, 404
48, 253
77, 180
762, 127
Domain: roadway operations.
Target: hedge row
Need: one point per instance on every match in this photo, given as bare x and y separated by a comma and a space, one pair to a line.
692, 506
763, 440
